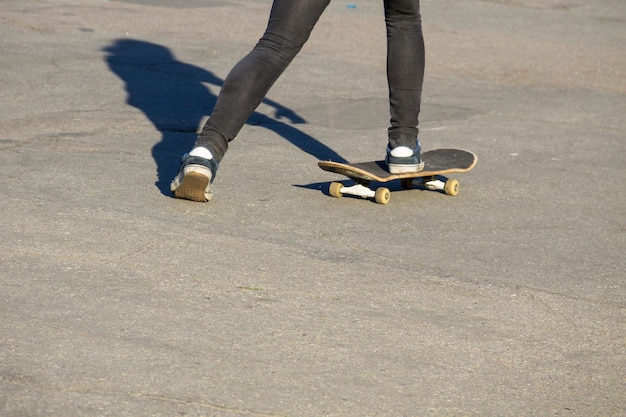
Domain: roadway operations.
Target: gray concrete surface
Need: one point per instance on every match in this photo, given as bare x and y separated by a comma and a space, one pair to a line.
276, 299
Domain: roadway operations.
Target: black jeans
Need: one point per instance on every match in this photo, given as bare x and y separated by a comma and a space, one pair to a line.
289, 27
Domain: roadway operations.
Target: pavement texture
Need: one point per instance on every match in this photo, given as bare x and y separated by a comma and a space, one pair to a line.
276, 299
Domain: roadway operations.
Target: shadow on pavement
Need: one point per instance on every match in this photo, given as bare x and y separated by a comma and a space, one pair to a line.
173, 96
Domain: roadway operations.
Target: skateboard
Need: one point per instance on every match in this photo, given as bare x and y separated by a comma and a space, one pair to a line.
437, 163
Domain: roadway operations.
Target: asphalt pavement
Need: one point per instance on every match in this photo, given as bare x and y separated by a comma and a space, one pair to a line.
276, 299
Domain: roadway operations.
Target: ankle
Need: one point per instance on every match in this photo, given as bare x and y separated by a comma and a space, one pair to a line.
201, 152
401, 152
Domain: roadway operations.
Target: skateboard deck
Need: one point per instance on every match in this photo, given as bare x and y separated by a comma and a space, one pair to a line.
437, 163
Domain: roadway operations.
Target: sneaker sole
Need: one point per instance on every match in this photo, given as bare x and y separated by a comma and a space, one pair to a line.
193, 187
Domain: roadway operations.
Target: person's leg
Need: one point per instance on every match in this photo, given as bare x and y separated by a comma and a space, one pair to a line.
289, 27
405, 73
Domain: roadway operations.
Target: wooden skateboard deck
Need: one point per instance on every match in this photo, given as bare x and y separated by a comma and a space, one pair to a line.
437, 162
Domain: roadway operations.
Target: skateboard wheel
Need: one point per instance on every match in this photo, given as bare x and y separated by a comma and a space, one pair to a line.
335, 189
383, 195
451, 187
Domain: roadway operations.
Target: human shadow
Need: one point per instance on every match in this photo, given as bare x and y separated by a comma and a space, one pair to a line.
175, 97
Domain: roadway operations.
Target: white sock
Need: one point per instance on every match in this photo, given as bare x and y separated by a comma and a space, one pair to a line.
202, 152
402, 152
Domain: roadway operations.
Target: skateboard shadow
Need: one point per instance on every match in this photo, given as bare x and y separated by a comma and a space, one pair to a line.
176, 96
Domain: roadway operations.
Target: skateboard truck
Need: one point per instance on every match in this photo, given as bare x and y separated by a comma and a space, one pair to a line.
358, 190
361, 188
449, 186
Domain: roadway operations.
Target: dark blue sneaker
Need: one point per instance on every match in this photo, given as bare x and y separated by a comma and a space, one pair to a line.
402, 160
194, 179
